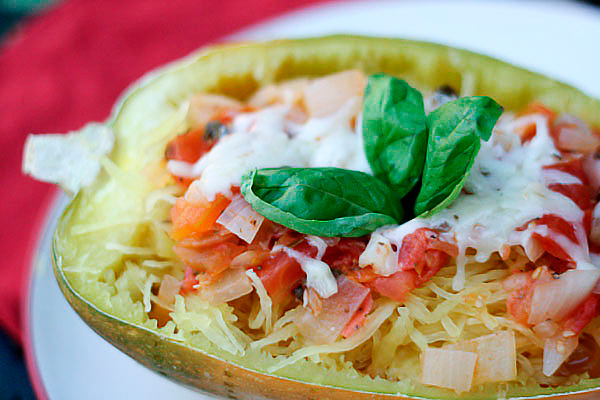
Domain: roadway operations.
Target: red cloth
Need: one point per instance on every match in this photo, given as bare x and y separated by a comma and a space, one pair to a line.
67, 67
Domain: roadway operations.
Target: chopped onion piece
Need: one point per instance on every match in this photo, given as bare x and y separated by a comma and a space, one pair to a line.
240, 219
233, 284
496, 356
451, 369
558, 297
379, 254
249, 259
374, 320
169, 287
324, 96
556, 351
336, 312
546, 329
572, 134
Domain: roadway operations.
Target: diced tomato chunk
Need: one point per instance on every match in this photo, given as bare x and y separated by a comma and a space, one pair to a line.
212, 260
421, 256
305, 248
188, 147
396, 286
344, 255
518, 303
554, 263
194, 219
423, 252
583, 314
572, 166
559, 225
280, 274
538, 108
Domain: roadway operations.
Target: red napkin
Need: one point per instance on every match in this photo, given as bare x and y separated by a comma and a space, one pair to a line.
67, 67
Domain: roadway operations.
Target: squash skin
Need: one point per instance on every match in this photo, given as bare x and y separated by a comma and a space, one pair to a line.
237, 70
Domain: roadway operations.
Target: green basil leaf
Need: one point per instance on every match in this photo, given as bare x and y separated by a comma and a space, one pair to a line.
394, 132
321, 201
455, 133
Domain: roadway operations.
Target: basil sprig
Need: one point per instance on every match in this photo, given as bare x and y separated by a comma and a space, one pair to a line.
394, 132
420, 161
322, 201
455, 133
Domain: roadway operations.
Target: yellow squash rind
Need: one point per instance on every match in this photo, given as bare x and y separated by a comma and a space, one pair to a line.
154, 106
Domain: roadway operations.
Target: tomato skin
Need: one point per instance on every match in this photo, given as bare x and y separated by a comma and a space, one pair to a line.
581, 195
358, 320
280, 274
397, 286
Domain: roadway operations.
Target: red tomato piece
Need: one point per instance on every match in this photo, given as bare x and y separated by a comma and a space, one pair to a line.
581, 194
395, 286
582, 315
520, 293
189, 280
422, 251
195, 219
539, 108
280, 274
188, 147
560, 226
344, 255
422, 255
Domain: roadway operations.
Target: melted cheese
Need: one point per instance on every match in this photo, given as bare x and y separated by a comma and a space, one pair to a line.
318, 273
265, 139
505, 190
507, 187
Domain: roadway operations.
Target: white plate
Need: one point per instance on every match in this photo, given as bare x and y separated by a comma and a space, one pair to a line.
69, 361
